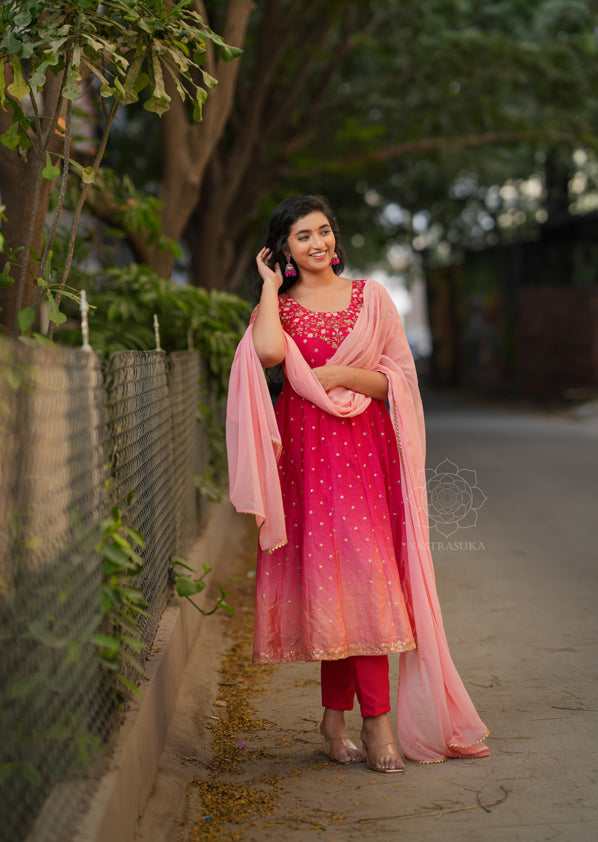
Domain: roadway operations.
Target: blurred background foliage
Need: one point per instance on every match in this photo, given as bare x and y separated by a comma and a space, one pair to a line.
432, 127
410, 116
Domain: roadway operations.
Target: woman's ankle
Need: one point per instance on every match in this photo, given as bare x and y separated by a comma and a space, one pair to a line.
333, 721
378, 727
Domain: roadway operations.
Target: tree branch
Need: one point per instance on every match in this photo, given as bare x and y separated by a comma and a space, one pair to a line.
77, 213
426, 145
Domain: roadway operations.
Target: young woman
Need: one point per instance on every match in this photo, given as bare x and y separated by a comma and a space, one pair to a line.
344, 573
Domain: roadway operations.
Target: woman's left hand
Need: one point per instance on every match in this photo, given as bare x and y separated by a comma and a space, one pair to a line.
374, 384
333, 375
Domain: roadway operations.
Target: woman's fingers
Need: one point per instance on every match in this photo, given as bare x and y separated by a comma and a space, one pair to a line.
265, 270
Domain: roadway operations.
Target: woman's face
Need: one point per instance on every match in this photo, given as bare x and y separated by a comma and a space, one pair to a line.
311, 242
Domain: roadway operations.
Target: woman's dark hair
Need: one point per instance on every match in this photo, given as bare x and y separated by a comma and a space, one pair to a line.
282, 220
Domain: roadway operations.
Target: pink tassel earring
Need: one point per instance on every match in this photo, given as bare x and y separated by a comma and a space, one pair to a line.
289, 270
335, 260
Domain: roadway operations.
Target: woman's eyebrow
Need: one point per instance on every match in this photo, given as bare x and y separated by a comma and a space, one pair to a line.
308, 230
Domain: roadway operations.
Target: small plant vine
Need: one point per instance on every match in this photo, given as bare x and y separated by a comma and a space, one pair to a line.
119, 643
187, 586
122, 601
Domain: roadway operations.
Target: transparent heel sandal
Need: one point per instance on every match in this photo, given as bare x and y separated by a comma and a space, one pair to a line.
341, 749
374, 754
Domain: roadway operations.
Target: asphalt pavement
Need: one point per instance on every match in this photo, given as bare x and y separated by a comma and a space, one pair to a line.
514, 517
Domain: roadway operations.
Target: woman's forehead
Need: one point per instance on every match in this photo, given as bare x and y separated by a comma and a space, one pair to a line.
311, 222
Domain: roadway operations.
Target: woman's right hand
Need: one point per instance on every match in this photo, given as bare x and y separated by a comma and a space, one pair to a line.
268, 275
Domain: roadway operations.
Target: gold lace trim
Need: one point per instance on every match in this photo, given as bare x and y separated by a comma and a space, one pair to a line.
317, 654
468, 745
277, 547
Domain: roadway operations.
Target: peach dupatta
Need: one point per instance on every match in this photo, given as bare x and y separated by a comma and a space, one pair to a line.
436, 718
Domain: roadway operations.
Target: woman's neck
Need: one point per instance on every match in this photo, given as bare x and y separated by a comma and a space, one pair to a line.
315, 280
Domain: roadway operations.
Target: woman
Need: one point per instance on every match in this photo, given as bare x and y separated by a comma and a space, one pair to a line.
344, 572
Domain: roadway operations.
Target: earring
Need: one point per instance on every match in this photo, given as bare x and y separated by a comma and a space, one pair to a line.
289, 270
335, 259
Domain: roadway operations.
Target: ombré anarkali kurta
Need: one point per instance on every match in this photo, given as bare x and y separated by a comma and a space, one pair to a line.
334, 589
389, 593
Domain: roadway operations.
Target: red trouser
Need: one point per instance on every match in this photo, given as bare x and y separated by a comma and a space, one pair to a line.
364, 675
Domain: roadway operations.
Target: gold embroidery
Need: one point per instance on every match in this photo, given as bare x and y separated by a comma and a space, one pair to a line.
331, 654
331, 328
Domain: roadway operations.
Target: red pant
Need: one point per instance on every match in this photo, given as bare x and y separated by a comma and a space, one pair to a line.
364, 675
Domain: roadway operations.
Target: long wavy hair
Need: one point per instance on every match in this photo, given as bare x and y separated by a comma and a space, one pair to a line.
285, 215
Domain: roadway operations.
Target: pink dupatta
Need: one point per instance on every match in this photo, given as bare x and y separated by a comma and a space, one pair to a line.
436, 718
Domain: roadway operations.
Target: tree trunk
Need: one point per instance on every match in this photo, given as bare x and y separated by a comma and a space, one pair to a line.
17, 177
189, 146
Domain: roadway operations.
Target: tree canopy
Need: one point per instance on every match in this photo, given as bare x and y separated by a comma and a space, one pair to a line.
409, 115
101, 56
420, 105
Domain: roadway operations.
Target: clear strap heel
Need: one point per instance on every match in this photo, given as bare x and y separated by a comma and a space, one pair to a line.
341, 749
374, 754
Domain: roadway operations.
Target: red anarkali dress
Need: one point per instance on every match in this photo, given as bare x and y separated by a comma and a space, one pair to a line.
337, 588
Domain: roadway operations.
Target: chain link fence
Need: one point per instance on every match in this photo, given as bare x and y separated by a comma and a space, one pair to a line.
75, 440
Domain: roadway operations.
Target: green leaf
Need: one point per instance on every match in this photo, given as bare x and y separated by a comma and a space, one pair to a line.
116, 556
50, 171
129, 684
209, 81
159, 102
55, 315
42, 339
133, 643
134, 597
22, 19
26, 318
136, 536
157, 105
38, 77
109, 645
88, 175
12, 136
18, 87
6, 279
186, 586
224, 605
178, 562
230, 53
71, 90
130, 91
202, 95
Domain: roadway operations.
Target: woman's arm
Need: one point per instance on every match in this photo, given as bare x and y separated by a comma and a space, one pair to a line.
268, 336
371, 383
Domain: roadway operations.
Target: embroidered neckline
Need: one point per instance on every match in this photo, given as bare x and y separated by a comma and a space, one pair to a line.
288, 297
330, 327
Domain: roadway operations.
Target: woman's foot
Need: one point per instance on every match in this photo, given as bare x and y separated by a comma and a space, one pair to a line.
337, 744
379, 748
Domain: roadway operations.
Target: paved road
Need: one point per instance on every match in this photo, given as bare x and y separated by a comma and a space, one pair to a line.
518, 591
